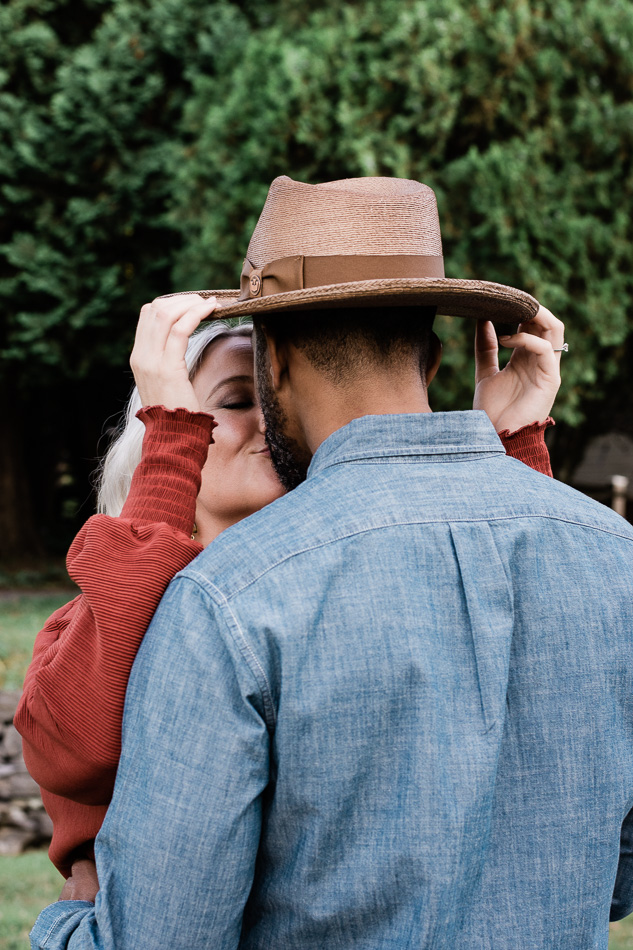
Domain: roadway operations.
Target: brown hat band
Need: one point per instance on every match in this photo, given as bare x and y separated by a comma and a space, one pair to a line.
297, 273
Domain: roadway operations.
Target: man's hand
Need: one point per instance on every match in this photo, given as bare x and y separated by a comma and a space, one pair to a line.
83, 883
524, 391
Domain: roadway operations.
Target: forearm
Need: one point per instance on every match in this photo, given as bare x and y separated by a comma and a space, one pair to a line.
71, 708
166, 481
75, 827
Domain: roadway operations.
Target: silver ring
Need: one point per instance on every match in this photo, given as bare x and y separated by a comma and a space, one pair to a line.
562, 349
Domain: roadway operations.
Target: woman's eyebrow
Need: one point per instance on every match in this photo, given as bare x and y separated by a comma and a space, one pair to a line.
229, 379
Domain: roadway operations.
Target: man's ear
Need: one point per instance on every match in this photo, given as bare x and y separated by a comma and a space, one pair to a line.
277, 358
434, 358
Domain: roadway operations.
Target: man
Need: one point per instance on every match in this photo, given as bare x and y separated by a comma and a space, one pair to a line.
392, 709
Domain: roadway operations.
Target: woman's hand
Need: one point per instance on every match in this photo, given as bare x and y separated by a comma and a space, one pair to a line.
158, 357
523, 391
83, 883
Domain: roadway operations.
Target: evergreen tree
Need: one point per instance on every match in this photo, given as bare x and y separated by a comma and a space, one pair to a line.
138, 139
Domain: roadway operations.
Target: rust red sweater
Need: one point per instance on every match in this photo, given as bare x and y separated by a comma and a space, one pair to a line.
71, 710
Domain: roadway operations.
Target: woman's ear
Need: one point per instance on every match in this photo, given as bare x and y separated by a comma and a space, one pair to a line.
434, 357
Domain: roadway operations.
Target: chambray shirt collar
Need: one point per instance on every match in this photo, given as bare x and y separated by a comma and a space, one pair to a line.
436, 435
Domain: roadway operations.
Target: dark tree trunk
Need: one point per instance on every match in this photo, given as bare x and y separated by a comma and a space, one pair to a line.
19, 537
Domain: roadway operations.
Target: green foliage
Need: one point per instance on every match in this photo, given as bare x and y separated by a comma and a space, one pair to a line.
137, 141
519, 115
90, 139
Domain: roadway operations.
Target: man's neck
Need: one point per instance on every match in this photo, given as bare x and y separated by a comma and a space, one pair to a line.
325, 408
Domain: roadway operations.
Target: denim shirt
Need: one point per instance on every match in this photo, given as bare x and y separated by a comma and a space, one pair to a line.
393, 709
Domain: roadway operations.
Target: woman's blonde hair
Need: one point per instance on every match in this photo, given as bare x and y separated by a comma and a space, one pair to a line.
114, 475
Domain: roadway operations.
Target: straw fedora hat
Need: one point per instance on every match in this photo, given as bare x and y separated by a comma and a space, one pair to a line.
359, 242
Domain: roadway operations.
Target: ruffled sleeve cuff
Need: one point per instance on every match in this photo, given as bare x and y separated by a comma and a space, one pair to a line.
527, 444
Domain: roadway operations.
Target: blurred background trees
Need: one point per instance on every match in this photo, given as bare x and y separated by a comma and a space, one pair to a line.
138, 139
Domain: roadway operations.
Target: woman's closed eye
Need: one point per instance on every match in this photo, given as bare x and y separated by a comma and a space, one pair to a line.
237, 404
236, 393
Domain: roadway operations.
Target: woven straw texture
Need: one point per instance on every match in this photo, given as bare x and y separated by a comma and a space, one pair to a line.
480, 300
355, 216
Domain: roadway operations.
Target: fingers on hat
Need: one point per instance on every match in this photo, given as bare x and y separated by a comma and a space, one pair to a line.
546, 325
486, 350
529, 342
180, 314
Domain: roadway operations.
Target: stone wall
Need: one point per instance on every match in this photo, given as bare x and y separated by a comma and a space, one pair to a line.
23, 821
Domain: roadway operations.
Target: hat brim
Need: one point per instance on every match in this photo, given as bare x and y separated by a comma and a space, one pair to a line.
478, 299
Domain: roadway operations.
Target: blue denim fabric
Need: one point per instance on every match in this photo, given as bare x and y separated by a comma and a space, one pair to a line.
394, 709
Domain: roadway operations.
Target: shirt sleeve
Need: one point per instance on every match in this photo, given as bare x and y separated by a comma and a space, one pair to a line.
176, 854
528, 445
72, 705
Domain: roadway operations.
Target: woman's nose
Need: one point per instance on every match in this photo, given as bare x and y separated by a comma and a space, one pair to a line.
261, 424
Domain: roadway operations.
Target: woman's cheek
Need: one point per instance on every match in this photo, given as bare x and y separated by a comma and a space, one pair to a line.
230, 440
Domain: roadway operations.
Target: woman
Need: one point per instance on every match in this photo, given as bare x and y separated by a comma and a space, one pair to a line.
161, 506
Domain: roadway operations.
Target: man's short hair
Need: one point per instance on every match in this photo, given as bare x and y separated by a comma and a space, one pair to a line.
343, 343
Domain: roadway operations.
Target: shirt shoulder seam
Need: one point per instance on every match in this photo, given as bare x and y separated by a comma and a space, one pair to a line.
204, 581
237, 635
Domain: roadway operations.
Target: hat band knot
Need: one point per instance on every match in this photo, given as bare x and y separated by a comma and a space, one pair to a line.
297, 273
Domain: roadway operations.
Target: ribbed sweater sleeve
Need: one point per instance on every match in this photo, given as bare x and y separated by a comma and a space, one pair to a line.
528, 445
71, 709
166, 481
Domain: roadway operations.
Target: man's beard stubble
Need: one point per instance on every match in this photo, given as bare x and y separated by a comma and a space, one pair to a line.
289, 460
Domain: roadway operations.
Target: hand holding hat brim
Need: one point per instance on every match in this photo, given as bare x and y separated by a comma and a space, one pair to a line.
524, 391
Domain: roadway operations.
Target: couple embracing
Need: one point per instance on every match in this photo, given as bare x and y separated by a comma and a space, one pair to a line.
391, 708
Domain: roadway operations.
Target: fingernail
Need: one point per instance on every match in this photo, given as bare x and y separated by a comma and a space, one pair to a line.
506, 336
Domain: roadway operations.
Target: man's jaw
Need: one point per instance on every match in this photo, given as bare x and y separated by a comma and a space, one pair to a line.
289, 460
285, 458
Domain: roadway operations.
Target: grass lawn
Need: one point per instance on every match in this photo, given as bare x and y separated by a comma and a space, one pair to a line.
30, 882
620, 934
27, 884
21, 617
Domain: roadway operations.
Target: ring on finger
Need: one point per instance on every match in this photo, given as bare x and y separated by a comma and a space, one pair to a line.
561, 349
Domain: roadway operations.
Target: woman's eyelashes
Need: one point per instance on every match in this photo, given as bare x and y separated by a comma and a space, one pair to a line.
236, 400
243, 404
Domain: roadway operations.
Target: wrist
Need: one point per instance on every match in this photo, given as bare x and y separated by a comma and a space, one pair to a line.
511, 423
171, 404
168, 392
160, 419
537, 426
